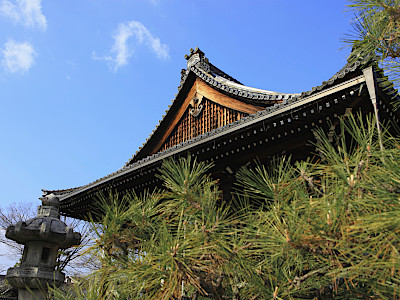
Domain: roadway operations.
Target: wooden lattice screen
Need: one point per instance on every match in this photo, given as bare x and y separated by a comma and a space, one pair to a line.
211, 117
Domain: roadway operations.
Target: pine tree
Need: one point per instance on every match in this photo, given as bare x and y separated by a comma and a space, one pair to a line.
377, 34
330, 229
170, 244
295, 230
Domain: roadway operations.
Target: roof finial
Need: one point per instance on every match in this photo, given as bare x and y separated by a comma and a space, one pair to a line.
194, 56
50, 200
193, 52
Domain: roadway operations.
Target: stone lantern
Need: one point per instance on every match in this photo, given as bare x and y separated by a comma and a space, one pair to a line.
42, 237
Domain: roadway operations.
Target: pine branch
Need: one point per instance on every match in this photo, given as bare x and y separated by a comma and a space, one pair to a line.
297, 281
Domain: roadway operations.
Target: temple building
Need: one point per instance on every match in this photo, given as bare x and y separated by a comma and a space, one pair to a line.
218, 119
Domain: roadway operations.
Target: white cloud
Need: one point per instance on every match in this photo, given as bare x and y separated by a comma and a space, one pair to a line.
17, 57
27, 12
122, 50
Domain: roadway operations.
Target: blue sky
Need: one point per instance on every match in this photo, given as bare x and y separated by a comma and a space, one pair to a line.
83, 83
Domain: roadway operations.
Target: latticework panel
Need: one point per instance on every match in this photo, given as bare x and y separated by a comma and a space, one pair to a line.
211, 117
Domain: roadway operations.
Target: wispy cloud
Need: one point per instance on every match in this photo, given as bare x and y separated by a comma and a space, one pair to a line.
122, 50
26, 12
17, 57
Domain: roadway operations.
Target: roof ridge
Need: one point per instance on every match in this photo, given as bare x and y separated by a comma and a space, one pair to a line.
197, 56
243, 91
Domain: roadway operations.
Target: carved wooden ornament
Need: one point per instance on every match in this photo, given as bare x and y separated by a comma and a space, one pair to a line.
196, 106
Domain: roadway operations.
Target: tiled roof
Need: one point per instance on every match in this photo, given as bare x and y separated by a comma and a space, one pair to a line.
228, 85
59, 192
239, 90
225, 83
350, 67
199, 65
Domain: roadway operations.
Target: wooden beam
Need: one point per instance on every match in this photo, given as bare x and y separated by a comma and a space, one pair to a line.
176, 119
370, 81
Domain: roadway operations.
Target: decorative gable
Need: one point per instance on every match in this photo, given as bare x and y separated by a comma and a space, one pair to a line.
203, 109
201, 116
207, 99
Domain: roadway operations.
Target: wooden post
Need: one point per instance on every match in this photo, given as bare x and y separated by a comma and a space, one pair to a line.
370, 81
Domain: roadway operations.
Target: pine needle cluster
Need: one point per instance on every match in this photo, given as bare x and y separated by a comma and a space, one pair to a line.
294, 230
377, 34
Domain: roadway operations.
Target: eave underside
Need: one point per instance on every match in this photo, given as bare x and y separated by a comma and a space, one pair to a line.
285, 133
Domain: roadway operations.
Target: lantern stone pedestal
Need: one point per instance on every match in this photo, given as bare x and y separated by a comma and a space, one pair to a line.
42, 237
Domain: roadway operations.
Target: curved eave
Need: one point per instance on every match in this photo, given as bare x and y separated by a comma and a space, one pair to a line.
346, 74
348, 71
270, 112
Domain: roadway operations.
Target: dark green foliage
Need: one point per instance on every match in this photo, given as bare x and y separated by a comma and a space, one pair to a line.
377, 34
331, 235
297, 230
168, 243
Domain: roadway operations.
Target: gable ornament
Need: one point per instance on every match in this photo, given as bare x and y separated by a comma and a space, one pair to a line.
196, 106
